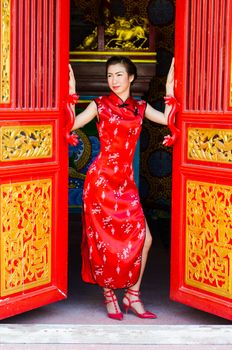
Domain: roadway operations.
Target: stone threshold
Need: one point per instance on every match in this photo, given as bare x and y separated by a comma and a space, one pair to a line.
115, 334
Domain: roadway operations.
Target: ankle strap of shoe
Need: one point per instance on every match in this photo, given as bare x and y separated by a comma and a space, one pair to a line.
135, 293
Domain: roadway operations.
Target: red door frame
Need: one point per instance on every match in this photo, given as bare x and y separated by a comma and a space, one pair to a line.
56, 167
185, 169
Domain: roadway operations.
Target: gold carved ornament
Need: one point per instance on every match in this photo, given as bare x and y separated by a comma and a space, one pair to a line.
129, 34
75, 165
124, 34
26, 224
214, 145
5, 43
90, 42
25, 142
208, 264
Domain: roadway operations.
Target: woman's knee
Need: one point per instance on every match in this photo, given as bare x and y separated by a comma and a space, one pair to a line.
148, 240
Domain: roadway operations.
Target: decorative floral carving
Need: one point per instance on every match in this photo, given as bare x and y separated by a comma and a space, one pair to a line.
209, 237
25, 235
5, 51
25, 142
213, 145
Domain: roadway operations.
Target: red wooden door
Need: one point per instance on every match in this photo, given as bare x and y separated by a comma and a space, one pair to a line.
34, 56
201, 261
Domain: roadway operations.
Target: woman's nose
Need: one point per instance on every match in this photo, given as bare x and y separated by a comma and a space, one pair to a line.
114, 79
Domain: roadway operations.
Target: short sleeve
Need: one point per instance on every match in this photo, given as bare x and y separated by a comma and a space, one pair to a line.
142, 105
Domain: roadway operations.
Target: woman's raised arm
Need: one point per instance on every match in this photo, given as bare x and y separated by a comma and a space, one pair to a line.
152, 113
86, 116
91, 110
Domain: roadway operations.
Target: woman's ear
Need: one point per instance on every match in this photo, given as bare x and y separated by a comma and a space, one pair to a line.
131, 78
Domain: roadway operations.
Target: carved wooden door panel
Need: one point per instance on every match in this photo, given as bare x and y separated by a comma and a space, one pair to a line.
201, 261
34, 56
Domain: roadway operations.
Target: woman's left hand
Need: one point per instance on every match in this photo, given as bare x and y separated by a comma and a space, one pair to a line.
170, 80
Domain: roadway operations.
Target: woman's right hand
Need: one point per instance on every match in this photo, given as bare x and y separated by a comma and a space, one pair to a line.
72, 81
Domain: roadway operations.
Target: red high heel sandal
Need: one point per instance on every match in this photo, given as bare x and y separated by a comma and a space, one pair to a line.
136, 293
111, 298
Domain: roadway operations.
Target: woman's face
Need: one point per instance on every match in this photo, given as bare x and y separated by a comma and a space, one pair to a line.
118, 79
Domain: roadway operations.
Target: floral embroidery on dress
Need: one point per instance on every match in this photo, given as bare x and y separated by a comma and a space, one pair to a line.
127, 227
101, 181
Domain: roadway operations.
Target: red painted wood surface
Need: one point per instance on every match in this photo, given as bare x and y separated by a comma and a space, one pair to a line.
202, 87
39, 87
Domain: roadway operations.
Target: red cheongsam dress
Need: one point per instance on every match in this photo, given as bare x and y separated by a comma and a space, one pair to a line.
114, 223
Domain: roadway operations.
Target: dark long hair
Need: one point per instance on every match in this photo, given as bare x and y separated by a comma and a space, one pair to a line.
126, 61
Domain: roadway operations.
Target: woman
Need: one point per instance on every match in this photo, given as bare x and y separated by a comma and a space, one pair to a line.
116, 238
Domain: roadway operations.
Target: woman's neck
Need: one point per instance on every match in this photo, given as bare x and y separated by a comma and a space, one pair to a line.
123, 97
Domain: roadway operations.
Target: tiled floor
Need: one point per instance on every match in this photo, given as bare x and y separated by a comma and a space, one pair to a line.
111, 347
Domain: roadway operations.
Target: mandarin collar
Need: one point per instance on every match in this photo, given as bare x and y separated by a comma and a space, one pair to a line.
119, 102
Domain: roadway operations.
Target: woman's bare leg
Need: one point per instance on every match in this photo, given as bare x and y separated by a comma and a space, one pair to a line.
111, 306
147, 244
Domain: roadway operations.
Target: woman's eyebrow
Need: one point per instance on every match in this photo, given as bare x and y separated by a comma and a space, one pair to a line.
116, 72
